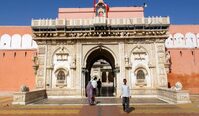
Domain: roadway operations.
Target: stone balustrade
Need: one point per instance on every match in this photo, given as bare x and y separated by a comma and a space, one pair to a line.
165, 94
23, 98
173, 96
100, 21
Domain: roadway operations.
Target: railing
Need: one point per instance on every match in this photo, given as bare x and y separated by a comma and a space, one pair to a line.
101, 21
173, 96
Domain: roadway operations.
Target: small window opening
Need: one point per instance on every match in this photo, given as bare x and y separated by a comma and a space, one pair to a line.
15, 54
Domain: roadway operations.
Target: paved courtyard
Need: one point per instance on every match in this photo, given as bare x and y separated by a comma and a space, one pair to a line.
64, 109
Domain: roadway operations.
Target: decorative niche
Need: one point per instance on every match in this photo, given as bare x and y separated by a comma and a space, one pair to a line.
62, 55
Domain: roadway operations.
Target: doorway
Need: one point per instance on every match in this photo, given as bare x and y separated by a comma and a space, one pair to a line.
101, 64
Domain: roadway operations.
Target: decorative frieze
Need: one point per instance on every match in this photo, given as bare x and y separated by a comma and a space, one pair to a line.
99, 34
100, 27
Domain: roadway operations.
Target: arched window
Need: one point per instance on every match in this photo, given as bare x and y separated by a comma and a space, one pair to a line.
61, 78
140, 75
61, 75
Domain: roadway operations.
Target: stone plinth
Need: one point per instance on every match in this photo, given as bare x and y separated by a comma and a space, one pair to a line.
24, 98
173, 96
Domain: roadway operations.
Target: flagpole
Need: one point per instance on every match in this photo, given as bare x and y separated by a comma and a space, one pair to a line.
94, 2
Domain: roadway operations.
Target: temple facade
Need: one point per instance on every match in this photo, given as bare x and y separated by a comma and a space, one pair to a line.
134, 48
62, 55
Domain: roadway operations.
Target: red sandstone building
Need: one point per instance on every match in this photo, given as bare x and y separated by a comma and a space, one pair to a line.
17, 49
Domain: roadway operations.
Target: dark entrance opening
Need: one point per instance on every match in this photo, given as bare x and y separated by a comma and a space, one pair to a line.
101, 64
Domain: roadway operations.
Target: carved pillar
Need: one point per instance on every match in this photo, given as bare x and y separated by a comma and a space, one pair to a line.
162, 76
49, 75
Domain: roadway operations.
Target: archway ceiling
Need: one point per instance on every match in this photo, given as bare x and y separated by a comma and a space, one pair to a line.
100, 54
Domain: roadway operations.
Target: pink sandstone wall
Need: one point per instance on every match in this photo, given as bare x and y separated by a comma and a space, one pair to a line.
16, 69
115, 12
185, 61
185, 68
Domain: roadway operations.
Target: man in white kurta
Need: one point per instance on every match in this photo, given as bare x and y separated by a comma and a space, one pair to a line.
94, 84
125, 94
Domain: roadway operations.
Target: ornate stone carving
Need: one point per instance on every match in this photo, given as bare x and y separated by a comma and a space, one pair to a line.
62, 55
161, 58
36, 64
168, 58
40, 83
19, 98
102, 33
41, 59
42, 42
161, 71
73, 63
24, 88
178, 86
126, 61
161, 48
61, 77
163, 81
42, 50
84, 70
40, 72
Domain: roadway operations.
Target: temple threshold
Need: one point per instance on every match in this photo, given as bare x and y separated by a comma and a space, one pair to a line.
100, 101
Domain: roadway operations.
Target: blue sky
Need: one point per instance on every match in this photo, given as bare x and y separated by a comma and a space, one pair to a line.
20, 12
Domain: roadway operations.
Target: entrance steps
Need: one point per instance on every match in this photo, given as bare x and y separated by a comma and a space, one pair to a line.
100, 101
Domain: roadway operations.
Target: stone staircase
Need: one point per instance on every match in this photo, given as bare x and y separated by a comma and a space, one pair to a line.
100, 101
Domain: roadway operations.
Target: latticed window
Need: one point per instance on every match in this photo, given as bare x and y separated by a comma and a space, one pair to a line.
61, 77
140, 76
